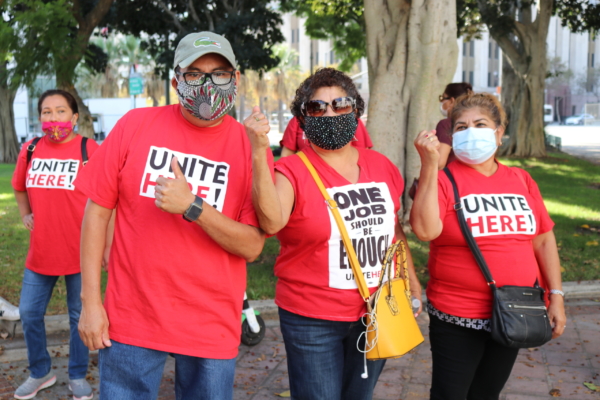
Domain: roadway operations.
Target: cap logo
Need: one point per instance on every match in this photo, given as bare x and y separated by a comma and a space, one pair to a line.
206, 41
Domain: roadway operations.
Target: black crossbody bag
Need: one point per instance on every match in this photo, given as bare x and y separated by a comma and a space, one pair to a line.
519, 314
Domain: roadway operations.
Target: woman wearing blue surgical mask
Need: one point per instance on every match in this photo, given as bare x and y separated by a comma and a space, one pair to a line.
505, 212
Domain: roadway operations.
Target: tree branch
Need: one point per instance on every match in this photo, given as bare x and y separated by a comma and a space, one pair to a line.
192, 11
173, 16
94, 17
77, 13
211, 24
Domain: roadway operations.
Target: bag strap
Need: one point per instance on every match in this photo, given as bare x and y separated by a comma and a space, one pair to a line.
360, 279
468, 235
84, 154
31, 149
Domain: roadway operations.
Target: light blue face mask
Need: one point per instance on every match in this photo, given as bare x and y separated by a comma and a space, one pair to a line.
474, 145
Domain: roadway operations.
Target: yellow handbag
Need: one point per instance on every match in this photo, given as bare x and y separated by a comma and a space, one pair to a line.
392, 330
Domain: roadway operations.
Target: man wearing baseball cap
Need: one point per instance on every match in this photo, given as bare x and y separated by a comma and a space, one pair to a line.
185, 226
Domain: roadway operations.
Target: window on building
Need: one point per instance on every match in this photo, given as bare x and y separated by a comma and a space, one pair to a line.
331, 57
317, 58
497, 52
490, 50
471, 77
489, 79
293, 31
472, 48
465, 49
464, 76
592, 61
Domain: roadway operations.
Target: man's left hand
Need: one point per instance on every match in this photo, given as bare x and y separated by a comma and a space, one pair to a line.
173, 195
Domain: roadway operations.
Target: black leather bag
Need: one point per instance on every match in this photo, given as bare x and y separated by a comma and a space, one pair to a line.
519, 314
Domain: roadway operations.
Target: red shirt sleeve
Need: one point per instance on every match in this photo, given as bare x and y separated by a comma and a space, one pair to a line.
99, 180
362, 135
290, 135
20, 174
443, 130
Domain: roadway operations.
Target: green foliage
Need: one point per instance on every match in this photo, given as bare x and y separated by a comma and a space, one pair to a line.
31, 32
342, 21
579, 15
252, 27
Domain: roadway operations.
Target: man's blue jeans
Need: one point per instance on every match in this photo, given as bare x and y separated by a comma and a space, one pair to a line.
323, 360
35, 296
131, 372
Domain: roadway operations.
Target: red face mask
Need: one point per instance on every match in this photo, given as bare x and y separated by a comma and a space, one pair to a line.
57, 131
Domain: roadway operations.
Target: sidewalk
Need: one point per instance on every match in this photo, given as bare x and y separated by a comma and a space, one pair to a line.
560, 367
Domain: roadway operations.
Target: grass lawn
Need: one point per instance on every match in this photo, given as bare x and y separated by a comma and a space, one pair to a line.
570, 186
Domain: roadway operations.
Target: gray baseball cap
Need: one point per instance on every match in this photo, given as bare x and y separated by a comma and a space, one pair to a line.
195, 45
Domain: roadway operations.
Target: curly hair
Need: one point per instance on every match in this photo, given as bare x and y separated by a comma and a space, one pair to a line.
487, 103
325, 77
58, 92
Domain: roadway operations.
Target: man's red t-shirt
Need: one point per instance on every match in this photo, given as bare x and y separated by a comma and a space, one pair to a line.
295, 140
170, 286
315, 276
504, 216
57, 205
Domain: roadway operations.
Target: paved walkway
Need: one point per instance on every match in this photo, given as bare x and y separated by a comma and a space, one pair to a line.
561, 367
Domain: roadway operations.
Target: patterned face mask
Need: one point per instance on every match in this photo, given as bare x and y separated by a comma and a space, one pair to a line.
57, 131
330, 133
207, 101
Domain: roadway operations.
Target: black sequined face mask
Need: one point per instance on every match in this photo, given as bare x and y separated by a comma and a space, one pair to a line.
330, 133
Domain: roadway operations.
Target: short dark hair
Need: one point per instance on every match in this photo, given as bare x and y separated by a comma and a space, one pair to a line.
59, 92
325, 77
487, 104
458, 89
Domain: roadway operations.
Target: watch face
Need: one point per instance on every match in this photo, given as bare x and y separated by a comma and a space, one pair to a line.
194, 210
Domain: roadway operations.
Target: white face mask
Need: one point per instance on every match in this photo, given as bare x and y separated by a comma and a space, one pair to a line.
444, 112
474, 145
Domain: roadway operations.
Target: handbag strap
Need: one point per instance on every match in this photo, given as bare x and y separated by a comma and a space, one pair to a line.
332, 205
468, 235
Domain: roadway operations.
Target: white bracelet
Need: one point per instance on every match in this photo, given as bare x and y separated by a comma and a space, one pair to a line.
556, 291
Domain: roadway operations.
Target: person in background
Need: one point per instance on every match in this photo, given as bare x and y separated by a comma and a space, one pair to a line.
295, 140
185, 227
444, 127
507, 217
320, 308
51, 208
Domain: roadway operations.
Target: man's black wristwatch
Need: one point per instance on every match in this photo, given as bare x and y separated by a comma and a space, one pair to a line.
194, 210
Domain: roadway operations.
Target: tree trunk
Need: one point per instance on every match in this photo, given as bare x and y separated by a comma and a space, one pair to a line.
280, 116
85, 126
525, 52
9, 144
412, 53
524, 106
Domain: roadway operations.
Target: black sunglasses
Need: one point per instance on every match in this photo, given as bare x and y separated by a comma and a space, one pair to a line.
317, 108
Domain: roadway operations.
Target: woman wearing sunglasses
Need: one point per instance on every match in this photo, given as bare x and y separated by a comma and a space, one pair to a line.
320, 308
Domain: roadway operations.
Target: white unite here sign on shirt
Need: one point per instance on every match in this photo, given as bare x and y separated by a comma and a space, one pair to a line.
368, 213
498, 214
52, 173
206, 178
